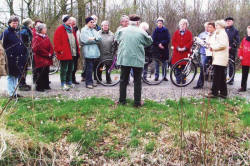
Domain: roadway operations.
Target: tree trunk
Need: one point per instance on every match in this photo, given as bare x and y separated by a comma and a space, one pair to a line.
134, 6
104, 10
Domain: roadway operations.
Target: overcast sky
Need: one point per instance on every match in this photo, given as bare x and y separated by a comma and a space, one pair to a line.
4, 14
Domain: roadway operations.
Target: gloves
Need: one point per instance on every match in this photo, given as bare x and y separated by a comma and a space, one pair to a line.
181, 49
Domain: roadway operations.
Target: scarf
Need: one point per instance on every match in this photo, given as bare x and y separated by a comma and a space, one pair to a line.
67, 28
42, 35
248, 38
182, 32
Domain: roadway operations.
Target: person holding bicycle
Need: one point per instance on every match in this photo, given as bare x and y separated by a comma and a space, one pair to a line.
203, 58
219, 45
106, 48
244, 55
182, 43
161, 39
131, 55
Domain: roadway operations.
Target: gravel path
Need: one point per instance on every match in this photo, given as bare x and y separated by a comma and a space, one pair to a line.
159, 93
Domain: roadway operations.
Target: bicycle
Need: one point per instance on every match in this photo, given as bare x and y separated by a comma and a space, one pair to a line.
184, 71
55, 67
112, 72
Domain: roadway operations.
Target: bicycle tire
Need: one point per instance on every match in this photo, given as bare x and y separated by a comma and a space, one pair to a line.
232, 65
55, 67
105, 66
184, 78
147, 72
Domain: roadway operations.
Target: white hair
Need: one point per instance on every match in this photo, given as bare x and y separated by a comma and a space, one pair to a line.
206, 24
73, 19
183, 21
105, 22
124, 17
40, 27
94, 17
27, 22
144, 26
221, 23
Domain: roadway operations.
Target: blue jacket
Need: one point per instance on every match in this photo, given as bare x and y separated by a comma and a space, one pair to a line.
161, 35
234, 38
15, 50
203, 36
26, 36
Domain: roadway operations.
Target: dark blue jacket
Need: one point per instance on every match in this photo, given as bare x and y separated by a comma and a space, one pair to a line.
26, 36
15, 50
234, 38
161, 35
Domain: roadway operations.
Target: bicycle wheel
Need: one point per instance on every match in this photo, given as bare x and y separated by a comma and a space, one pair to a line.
183, 72
55, 67
154, 72
108, 73
231, 65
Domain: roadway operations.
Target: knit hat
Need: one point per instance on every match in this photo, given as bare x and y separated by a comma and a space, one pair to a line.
88, 19
40, 27
229, 18
160, 19
65, 18
134, 17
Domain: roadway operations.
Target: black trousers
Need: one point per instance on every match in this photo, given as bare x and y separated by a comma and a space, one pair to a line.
245, 71
75, 61
219, 81
42, 81
125, 72
99, 72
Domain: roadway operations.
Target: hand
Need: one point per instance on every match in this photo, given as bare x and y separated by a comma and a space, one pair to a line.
241, 57
161, 46
230, 48
50, 55
91, 38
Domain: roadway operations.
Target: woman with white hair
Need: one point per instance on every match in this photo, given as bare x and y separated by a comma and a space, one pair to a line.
43, 51
161, 39
182, 43
106, 48
220, 53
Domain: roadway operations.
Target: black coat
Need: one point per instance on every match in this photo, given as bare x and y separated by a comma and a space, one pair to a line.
15, 50
161, 35
234, 38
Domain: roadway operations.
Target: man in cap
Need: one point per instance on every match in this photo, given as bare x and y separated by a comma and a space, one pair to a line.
234, 41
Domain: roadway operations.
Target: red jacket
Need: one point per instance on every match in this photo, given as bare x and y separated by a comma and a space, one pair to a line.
62, 45
244, 52
181, 41
42, 47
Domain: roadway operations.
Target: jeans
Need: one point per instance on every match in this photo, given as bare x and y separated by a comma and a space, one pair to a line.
12, 83
157, 68
91, 64
203, 64
125, 72
66, 70
219, 81
180, 77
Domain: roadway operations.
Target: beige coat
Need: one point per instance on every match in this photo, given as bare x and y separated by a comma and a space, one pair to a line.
3, 71
220, 48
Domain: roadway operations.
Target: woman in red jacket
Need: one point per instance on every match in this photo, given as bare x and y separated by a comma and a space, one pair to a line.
43, 51
182, 43
244, 55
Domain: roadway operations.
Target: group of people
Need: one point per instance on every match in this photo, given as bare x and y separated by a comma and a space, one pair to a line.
130, 43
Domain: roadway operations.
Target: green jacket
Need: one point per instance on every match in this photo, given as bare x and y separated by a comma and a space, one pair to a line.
132, 41
90, 47
106, 45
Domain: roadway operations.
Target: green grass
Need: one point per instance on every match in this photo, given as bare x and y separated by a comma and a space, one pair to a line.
96, 123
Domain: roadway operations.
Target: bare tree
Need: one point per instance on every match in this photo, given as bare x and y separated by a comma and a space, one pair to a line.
11, 7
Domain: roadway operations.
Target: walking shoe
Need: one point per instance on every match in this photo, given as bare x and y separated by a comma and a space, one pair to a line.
197, 87
75, 82
230, 83
47, 88
222, 96
165, 79
39, 89
65, 88
210, 95
241, 90
139, 105
94, 84
71, 86
89, 86
109, 82
83, 79
24, 88
156, 79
